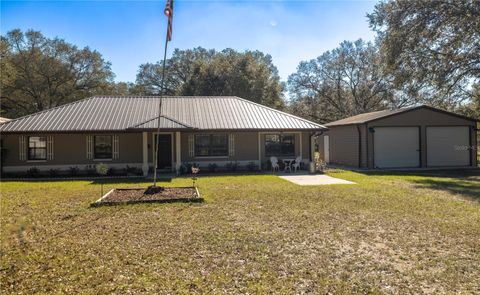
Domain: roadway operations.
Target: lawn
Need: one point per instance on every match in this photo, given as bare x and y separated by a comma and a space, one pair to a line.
391, 233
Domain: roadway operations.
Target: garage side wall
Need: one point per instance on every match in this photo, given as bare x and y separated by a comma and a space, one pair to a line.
344, 145
422, 118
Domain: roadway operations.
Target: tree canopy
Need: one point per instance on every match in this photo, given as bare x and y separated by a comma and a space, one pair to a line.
38, 73
250, 75
431, 47
340, 83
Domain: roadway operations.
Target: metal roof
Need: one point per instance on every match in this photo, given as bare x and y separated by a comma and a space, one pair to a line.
116, 113
165, 123
372, 116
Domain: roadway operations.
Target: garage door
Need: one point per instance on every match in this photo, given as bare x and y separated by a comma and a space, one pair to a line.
396, 147
448, 146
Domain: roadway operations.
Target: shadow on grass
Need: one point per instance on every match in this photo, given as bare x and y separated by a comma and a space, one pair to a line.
453, 173
469, 189
459, 181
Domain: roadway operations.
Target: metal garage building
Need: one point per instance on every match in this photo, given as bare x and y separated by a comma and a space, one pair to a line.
414, 137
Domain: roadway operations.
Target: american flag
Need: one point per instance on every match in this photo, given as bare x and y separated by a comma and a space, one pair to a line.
169, 13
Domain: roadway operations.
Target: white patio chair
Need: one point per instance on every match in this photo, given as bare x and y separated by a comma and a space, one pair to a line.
296, 165
275, 165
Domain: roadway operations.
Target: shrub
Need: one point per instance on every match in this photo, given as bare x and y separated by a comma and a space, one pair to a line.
267, 165
112, 171
73, 171
90, 170
212, 167
185, 168
131, 170
33, 172
251, 166
101, 169
320, 165
53, 172
232, 166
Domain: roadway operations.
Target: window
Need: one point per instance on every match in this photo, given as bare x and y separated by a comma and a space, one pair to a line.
37, 148
281, 145
102, 147
211, 145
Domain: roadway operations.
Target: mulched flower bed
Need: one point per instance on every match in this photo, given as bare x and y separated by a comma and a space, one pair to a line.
139, 195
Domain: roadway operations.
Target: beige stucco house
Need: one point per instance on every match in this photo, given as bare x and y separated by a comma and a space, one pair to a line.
121, 131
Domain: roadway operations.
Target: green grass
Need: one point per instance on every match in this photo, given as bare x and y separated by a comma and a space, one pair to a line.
391, 233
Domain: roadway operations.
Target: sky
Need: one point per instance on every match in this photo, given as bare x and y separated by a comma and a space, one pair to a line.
129, 33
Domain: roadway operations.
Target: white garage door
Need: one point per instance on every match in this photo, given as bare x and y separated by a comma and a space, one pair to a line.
396, 147
448, 146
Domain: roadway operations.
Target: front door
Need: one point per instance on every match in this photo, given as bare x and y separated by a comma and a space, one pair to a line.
164, 156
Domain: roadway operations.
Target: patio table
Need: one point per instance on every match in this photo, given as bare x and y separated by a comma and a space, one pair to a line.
288, 164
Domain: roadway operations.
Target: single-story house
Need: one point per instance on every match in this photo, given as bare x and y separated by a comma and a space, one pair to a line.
412, 137
121, 131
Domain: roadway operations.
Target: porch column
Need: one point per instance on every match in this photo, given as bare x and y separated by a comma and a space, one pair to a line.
178, 152
145, 153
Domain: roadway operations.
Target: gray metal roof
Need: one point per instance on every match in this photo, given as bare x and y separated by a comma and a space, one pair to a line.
365, 117
115, 113
165, 123
372, 116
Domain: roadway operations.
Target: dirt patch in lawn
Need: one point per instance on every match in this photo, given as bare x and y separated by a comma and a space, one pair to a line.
139, 195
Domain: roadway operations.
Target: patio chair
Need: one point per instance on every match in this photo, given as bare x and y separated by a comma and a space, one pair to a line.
296, 165
275, 165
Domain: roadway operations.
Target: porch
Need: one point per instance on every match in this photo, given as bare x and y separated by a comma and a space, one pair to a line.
224, 151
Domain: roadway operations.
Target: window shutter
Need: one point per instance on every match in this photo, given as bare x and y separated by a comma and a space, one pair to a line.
50, 147
89, 147
116, 152
22, 148
231, 145
191, 145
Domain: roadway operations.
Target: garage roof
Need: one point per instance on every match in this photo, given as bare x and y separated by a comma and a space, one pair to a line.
372, 116
116, 113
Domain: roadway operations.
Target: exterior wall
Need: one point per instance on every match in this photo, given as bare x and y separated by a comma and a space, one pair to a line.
249, 147
306, 149
245, 151
421, 118
344, 145
70, 150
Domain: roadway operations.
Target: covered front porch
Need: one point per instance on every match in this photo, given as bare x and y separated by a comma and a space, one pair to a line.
223, 150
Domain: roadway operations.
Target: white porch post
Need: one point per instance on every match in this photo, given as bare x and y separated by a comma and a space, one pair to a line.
178, 152
145, 153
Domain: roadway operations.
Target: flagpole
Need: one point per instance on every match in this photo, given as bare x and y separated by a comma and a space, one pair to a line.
159, 113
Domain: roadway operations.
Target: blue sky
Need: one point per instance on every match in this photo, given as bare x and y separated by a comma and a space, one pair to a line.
128, 33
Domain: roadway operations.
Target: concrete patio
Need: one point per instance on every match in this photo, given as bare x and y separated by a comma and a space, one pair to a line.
314, 179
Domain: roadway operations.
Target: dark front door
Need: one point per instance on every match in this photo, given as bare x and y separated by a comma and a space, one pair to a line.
164, 156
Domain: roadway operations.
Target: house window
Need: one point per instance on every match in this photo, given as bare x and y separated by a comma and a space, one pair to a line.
37, 148
102, 147
211, 145
280, 145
